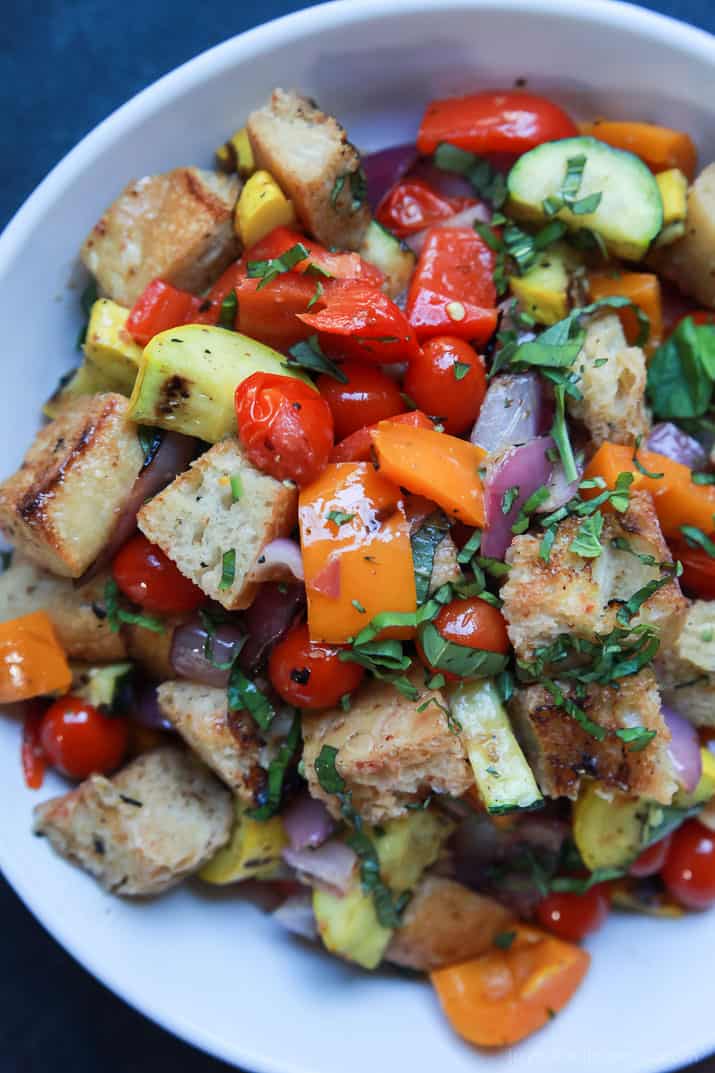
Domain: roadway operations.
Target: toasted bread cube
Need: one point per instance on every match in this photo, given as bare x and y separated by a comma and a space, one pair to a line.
61, 506
560, 751
392, 751
690, 262
612, 382
572, 595
177, 226
195, 521
142, 831
77, 613
309, 155
229, 744
446, 922
685, 664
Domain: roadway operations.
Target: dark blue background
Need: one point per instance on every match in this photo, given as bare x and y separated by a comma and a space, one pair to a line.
64, 66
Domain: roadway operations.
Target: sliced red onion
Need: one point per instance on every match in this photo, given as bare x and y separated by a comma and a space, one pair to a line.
146, 711
188, 652
385, 168
330, 866
279, 560
512, 412
297, 916
446, 183
307, 823
684, 749
560, 489
524, 468
669, 440
465, 218
271, 614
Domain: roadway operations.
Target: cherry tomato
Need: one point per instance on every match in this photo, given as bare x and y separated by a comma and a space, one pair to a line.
412, 205
472, 623
573, 916
689, 869
369, 396
651, 860
309, 675
448, 379
149, 578
285, 426
79, 740
698, 577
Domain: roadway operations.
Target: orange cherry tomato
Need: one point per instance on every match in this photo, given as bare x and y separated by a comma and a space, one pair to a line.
309, 675
689, 869
149, 578
369, 396
413, 205
573, 916
470, 622
651, 860
80, 741
448, 379
285, 426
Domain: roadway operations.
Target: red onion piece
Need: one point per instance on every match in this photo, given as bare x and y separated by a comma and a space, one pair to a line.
512, 412
385, 168
307, 823
271, 614
187, 652
297, 916
279, 560
465, 218
446, 183
145, 709
331, 866
684, 749
560, 489
669, 440
526, 468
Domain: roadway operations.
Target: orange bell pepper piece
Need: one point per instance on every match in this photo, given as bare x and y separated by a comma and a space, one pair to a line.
433, 464
502, 996
357, 446
677, 500
643, 289
31, 660
357, 555
659, 147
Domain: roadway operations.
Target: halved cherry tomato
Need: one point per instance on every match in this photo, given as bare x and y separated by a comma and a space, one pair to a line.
149, 578
368, 396
309, 675
413, 205
346, 265
651, 860
79, 740
452, 291
359, 321
358, 446
32, 754
488, 122
285, 426
448, 379
689, 869
472, 623
698, 577
573, 916
158, 308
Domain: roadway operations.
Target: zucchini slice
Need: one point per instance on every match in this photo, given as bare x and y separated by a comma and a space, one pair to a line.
385, 251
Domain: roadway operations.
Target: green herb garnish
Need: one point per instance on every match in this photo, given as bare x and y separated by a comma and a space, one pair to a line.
308, 355
228, 569
425, 542
117, 615
276, 774
270, 269
244, 695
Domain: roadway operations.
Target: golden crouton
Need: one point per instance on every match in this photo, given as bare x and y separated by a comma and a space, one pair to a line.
560, 751
569, 594
142, 831
76, 613
445, 923
61, 506
685, 665
391, 751
177, 226
196, 521
150, 649
690, 262
309, 155
229, 744
612, 384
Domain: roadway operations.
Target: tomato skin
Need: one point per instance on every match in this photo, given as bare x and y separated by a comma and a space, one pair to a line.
413, 205
368, 397
651, 860
573, 916
358, 446
431, 382
159, 307
358, 321
285, 426
149, 578
689, 869
339, 265
698, 577
80, 741
309, 675
472, 623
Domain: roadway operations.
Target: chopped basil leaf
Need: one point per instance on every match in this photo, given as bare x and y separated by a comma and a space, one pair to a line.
458, 659
345, 702
460, 369
695, 538
269, 270
547, 543
703, 478
572, 709
487, 183
579, 885
587, 542
387, 619
358, 189
228, 569
633, 605
377, 655
509, 498
326, 769
471, 548
525, 248
636, 738
276, 774
358, 606
339, 517
504, 683
308, 355
623, 545
527, 509
150, 440
425, 542
229, 308
504, 939
681, 372
639, 465
319, 291
244, 695
560, 435
117, 615
236, 487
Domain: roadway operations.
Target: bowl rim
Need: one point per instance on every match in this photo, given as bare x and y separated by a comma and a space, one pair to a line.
212, 61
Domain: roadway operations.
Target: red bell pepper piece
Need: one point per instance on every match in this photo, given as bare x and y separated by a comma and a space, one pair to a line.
337, 265
358, 321
357, 446
452, 291
32, 754
493, 123
269, 314
412, 206
158, 308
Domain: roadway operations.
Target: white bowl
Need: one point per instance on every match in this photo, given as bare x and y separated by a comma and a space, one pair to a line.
206, 966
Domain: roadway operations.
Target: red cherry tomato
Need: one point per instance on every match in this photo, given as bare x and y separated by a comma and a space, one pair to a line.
651, 860
369, 396
285, 426
689, 869
79, 740
412, 205
149, 578
448, 379
698, 577
573, 916
309, 675
472, 623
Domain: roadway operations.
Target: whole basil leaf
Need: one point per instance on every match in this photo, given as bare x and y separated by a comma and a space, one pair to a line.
681, 372
458, 659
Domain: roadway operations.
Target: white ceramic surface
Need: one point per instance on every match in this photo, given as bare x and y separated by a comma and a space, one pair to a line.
205, 966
